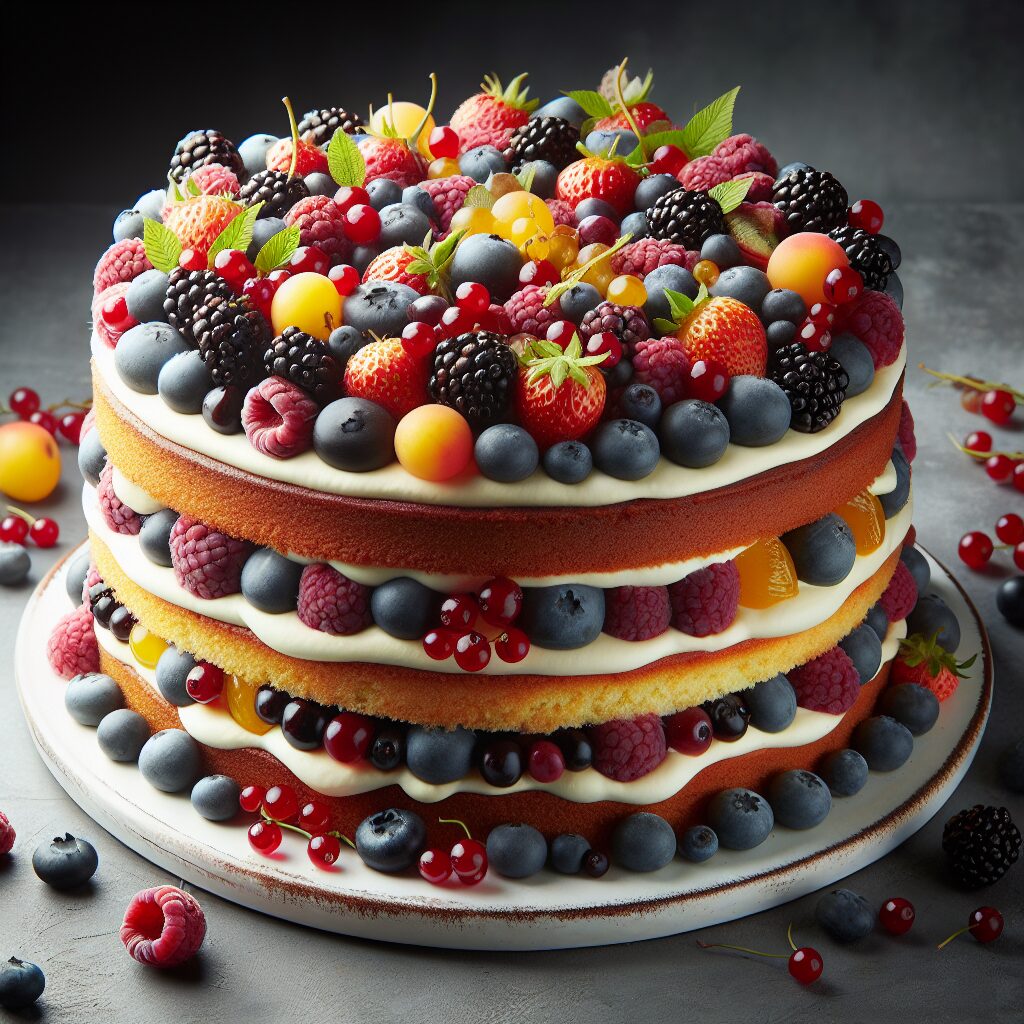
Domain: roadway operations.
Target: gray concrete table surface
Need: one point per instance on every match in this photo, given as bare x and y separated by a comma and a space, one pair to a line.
962, 277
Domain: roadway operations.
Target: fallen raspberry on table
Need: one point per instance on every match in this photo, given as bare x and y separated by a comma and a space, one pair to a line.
627, 323
321, 222
277, 417
662, 364
448, 194
828, 683
905, 434
116, 514
705, 602
163, 927
108, 337
72, 648
527, 312
641, 257
207, 563
900, 596
331, 602
877, 321
636, 613
123, 261
628, 749
7, 835
562, 213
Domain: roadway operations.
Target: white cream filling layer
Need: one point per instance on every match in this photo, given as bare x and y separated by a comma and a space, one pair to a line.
392, 482
213, 725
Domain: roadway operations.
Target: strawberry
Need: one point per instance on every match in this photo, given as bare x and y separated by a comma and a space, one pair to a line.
922, 660
490, 117
393, 265
560, 394
424, 270
310, 158
597, 177
644, 114
385, 373
198, 220
722, 329
393, 158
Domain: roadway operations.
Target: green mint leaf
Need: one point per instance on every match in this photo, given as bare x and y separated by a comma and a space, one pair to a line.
479, 198
277, 250
665, 326
680, 306
710, 126
672, 137
161, 244
419, 267
592, 102
344, 160
443, 252
237, 233
526, 175
729, 194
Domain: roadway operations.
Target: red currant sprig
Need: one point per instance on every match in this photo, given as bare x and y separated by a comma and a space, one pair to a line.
25, 404
467, 859
42, 531
805, 963
985, 924
994, 400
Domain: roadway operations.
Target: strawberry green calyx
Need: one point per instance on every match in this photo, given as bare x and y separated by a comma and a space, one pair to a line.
624, 106
433, 261
682, 307
387, 127
513, 95
579, 273
918, 649
545, 358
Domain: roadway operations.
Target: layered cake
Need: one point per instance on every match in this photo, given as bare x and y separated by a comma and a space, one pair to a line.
542, 476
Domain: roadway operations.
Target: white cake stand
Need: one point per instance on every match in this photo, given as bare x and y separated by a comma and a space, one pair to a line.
544, 912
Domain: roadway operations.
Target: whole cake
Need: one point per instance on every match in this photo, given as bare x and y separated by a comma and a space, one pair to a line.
543, 475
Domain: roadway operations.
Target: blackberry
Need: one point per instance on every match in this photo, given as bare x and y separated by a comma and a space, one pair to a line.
867, 255
811, 200
685, 217
187, 291
980, 843
814, 382
275, 190
474, 374
544, 138
305, 361
627, 323
205, 147
324, 123
232, 337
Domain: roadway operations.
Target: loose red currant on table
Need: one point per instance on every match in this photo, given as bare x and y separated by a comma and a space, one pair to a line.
805, 963
512, 646
308, 259
1018, 555
1010, 528
419, 339
346, 279
500, 601
45, 419
472, 652
540, 273
468, 856
264, 836
435, 866
605, 342
251, 798
459, 611
280, 803
998, 406
985, 924
472, 297
842, 285
546, 761
689, 732
970, 400
192, 259
44, 532
668, 160
897, 915
560, 332
314, 817
867, 215
205, 682
234, 266
24, 402
348, 737
999, 468
351, 195
439, 644
362, 223
708, 380
13, 529
975, 549
71, 426
978, 441
323, 850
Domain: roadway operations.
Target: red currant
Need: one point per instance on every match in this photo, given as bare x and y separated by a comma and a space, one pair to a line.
345, 278
443, 143
427, 309
205, 682
815, 335
842, 285
546, 761
419, 339
278, 277
260, 291
323, 851
668, 159
708, 381
985, 924
362, 223
822, 313
978, 441
595, 863
44, 532
71, 425
439, 644
45, 419
234, 266
435, 866
689, 731
23, 402
314, 816
348, 737
264, 836
192, 259
308, 259
459, 611
560, 332
970, 400
472, 297
605, 342
999, 468
539, 272
897, 915
998, 406
455, 321
1010, 528
281, 803
251, 798
975, 549
501, 600
1018, 555
472, 652
469, 861
512, 646
1018, 476
13, 529
806, 965
867, 215
351, 195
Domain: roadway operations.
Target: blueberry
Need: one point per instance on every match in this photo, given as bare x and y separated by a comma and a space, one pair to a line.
354, 434
362, 256
427, 309
438, 756
383, 192
215, 797
601, 141
651, 189
170, 760
89, 697
635, 225
388, 749
757, 409
501, 763
823, 552
885, 743
419, 197
643, 842
933, 617
270, 582
667, 278
568, 462
771, 703
506, 453
145, 296
914, 706
799, 799
619, 375
404, 607
891, 249
796, 165
222, 409
122, 734
155, 536
483, 161
262, 231
380, 307
92, 457
1011, 766
579, 300
564, 107
184, 382
595, 208
65, 863
253, 152
722, 250
845, 915
878, 621
172, 670
779, 333
151, 204
844, 772
567, 853
562, 617
918, 566
747, 284
894, 288
401, 224
641, 402
320, 184
489, 260
1010, 600
626, 449
516, 850
15, 563
694, 433
128, 224
741, 818
698, 844
74, 578
545, 177
21, 984
865, 650
894, 501
345, 342
783, 304
390, 840
856, 360
142, 351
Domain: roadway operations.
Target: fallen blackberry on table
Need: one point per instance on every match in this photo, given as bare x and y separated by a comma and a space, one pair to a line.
981, 844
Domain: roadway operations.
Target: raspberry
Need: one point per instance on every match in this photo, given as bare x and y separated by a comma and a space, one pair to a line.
636, 613
627, 323
116, 514
907, 439
528, 313
448, 194
900, 596
87, 424
333, 603
321, 223
278, 418
115, 291
761, 186
704, 173
663, 364
641, 257
561, 212
827, 683
7, 835
495, 319
215, 180
72, 648
123, 261
626, 750
742, 153
92, 577
163, 926
705, 602
206, 563
877, 321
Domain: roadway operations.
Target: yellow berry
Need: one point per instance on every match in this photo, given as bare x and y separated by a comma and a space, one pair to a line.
307, 301
147, 647
241, 697
502, 183
29, 462
405, 118
600, 275
563, 249
522, 230
474, 220
627, 290
443, 168
706, 272
537, 248
434, 442
803, 261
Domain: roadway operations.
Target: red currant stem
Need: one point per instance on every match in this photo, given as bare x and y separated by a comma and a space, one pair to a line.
576, 275
956, 935
455, 821
976, 385
978, 454
415, 137
789, 937
295, 135
67, 403
344, 838
4, 411
741, 949
21, 514
621, 99
284, 824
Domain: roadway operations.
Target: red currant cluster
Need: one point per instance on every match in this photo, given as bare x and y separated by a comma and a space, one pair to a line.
18, 527
26, 405
498, 603
467, 859
976, 547
279, 809
436, 320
